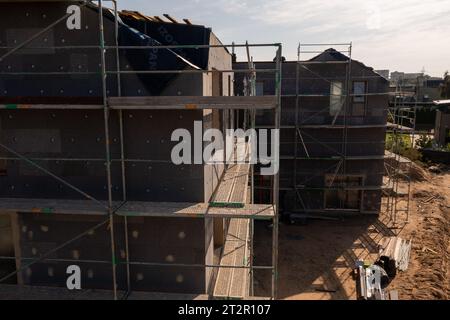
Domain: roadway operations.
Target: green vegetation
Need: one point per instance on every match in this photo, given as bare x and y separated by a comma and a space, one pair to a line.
425, 142
401, 144
403, 141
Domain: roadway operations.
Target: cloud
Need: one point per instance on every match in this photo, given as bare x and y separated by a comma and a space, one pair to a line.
373, 21
398, 34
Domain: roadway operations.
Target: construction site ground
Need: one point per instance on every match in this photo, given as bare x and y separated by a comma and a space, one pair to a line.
316, 259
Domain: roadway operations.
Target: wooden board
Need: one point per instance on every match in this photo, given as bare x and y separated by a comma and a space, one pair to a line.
193, 102
233, 283
232, 189
134, 208
200, 210
51, 206
15, 106
19, 292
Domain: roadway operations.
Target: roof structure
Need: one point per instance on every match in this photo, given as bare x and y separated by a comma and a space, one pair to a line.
172, 32
334, 55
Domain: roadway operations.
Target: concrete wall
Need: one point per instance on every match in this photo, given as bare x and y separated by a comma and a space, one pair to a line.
151, 240
18, 24
59, 134
216, 84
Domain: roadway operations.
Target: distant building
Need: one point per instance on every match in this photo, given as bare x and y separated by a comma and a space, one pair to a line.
418, 89
405, 77
332, 152
429, 89
442, 128
383, 73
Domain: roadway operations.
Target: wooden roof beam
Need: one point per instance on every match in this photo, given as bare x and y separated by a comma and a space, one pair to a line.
170, 18
158, 19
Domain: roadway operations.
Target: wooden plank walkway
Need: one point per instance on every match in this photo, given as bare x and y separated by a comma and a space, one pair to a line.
233, 283
134, 208
192, 102
18, 292
232, 190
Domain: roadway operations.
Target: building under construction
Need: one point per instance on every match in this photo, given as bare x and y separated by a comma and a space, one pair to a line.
90, 98
333, 128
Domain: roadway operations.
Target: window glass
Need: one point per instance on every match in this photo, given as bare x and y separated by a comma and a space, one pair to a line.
259, 88
359, 91
336, 98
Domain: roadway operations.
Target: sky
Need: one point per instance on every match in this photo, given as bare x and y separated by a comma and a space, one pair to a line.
399, 35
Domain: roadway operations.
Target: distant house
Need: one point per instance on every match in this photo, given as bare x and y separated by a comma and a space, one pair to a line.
405, 77
384, 73
442, 128
416, 90
428, 89
336, 164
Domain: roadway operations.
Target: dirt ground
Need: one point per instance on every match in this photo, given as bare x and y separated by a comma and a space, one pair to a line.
316, 259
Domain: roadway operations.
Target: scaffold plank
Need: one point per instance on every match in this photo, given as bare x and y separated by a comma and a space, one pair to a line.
232, 283
52, 206
134, 208
193, 102
232, 189
153, 209
15, 106
20, 292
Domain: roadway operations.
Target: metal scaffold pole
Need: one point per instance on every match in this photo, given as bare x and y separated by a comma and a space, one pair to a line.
276, 181
297, 111
400, 135
347, 110
122, 146
251, 92
107, 148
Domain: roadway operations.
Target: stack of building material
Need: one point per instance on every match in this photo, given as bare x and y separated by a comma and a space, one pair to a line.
397, 250
371, 282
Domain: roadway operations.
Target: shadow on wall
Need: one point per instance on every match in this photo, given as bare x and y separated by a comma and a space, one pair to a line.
6, 248
316, 260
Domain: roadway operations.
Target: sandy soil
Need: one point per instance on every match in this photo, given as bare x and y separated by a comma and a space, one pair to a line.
316, 260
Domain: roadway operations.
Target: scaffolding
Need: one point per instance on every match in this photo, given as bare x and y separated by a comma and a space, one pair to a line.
112, 208
401, 135
300, 123
338, 157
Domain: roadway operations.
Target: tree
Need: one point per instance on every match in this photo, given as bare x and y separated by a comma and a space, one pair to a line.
445, 87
